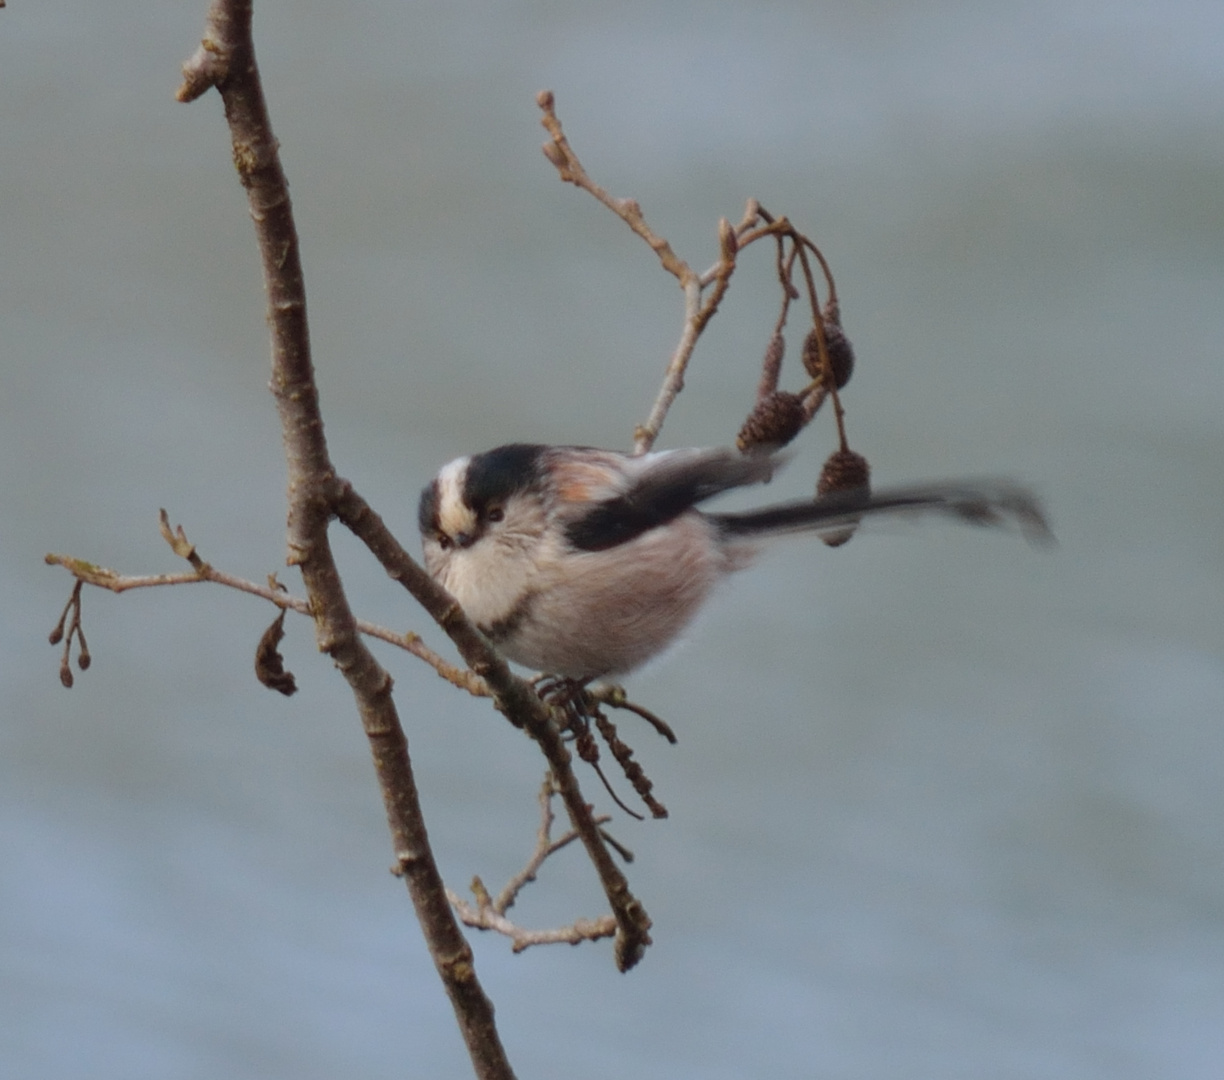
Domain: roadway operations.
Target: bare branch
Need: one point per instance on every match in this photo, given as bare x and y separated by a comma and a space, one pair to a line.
483, 918
104, 578
226, 60
545, 846
644, 435
699, 308
490, 914
570, 169
409, 641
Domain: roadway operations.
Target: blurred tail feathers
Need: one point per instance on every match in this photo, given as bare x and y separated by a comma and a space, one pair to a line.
988, 503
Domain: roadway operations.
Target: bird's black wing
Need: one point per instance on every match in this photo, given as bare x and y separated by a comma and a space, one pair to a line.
667, 485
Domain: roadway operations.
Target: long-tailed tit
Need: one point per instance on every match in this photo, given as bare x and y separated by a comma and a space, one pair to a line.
583, 563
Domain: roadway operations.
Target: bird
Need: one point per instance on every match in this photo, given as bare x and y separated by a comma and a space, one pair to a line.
583, 564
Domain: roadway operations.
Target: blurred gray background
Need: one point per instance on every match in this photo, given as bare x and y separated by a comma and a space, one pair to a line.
944, 806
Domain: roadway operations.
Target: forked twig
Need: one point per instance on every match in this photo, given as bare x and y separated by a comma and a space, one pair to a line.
489, 913
113, 581
703, 293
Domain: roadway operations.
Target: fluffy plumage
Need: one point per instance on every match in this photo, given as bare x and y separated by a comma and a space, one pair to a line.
584, 563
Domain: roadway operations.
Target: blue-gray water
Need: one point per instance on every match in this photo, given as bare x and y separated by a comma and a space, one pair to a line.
943, 806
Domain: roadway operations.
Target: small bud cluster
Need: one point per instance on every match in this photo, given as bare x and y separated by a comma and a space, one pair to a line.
66, 630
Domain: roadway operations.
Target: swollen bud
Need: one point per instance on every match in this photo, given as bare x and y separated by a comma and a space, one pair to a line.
773, 422
843, 471
841, 353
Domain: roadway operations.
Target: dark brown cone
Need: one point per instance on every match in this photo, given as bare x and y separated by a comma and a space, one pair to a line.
774, 421
841, 353
843, 471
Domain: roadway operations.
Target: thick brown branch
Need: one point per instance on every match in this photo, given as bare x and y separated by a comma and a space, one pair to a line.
227, 60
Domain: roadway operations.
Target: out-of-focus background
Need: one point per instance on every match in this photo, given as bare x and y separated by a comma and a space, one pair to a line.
943, 805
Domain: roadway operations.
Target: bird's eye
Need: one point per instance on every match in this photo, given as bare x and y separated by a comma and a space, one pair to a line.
444, 541
495, 514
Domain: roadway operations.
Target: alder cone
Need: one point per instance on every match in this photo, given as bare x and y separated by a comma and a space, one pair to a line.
774, 421
843, 471
841, 353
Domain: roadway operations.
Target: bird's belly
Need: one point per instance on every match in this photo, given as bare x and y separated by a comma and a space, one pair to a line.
607, 612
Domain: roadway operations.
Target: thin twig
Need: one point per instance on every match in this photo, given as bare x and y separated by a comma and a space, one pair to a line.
490, 914
696, 313
611, 694
545, 847
409, 641
483, 918
570, 169
644, 435
699, 309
